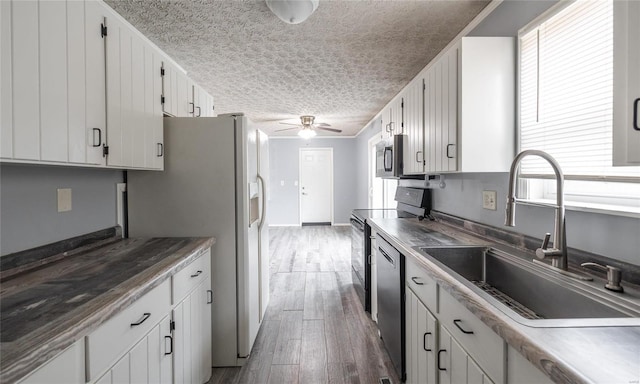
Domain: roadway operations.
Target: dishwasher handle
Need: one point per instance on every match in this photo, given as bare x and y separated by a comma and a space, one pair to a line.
389, 258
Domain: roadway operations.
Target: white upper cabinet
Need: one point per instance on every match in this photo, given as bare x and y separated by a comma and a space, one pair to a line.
413, 96
626, 83
441, 113
25, 68
6, 108
486, 132
95, 130
385, 117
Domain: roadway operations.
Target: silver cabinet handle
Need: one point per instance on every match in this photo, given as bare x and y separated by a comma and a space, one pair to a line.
198, 273
418, 161
414, 279
193, 108
199, 111
160, 150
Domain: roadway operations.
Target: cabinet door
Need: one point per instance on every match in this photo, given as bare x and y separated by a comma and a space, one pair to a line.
25, 67
413, 124
395, 117
182, 342
450, 130
78, 134
204, 331
452, 360
66, 368
134, 128
626, 83
120, 371
139, 357
421, 343
95, 86
157, 137
6, 108
385, 118
53, 80
455, 365
184, 106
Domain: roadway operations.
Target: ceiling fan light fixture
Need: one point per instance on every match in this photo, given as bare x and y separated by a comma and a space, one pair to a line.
306, 133
292, 11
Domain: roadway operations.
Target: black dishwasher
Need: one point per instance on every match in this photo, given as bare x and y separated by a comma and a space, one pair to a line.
390, 265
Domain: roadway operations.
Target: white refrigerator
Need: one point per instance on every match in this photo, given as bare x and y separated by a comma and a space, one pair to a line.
214, 184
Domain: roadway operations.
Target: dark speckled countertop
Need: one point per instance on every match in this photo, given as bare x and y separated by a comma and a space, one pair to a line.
603, 354
45, 310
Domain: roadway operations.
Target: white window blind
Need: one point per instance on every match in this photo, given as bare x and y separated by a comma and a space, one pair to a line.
566, 92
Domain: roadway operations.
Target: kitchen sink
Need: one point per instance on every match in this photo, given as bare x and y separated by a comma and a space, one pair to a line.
529, 294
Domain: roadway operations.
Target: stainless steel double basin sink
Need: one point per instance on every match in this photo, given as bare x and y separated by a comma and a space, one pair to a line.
530, 294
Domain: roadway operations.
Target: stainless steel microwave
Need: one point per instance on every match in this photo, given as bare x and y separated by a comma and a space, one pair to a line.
389, 157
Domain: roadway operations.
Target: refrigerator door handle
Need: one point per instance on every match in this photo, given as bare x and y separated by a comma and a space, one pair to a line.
264, 202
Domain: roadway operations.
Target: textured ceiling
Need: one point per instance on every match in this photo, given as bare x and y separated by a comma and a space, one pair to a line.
342, 65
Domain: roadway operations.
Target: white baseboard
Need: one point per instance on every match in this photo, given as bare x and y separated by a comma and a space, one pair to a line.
283, 225
341, 224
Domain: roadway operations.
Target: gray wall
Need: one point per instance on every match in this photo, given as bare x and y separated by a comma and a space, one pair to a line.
283, 166
616, 237
28, 204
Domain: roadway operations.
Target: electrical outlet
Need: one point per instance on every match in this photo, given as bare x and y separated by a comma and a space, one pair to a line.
64, 199
489, 200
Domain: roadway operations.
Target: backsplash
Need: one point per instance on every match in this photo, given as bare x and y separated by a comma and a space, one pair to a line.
28, 197
630, 272
614, 237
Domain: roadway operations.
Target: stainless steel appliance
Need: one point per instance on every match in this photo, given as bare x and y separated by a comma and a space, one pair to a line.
412, 203
391, 322
389, 157
214, 184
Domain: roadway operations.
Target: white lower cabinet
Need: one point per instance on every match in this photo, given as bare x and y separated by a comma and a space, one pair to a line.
149, 361
455, 366
421, 341
192, 319
66, 368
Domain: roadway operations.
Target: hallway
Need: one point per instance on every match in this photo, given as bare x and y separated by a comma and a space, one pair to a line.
315, 329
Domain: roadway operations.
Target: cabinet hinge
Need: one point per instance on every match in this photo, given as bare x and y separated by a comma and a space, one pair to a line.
172, 326
162, 72
103, 30
161, 99
105, 151
402, 104
424, 86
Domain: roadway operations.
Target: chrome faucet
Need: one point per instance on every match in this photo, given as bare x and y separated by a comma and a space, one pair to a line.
558, 253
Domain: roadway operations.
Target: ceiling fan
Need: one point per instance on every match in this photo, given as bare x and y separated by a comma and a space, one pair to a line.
308, 127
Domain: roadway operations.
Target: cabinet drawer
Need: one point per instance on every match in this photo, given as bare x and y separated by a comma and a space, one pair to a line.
189, 277
118, 334
422, 284
483, 345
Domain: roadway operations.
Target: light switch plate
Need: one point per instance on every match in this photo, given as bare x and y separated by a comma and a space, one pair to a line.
64, 199
489, 200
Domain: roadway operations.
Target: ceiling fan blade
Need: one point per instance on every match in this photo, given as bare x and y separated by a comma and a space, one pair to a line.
297, 125
285, 129
322, 125
330, 129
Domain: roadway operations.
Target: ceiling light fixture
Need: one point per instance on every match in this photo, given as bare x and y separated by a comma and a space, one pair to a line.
306, 133
292, 11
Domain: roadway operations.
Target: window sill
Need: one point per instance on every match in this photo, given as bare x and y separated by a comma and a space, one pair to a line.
604, 209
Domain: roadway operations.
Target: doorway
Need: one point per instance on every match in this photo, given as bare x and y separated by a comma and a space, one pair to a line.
316, 186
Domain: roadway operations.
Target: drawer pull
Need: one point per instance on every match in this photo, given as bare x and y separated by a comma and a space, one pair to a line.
414, 279
209, 296
170, 344
439, 367
198, 273
424, 342
460, 328
144, 318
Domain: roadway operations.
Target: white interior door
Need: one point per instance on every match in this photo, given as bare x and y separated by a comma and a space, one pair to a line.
316, 185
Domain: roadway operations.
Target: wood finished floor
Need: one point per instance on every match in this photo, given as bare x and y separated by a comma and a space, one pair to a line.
315, 329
